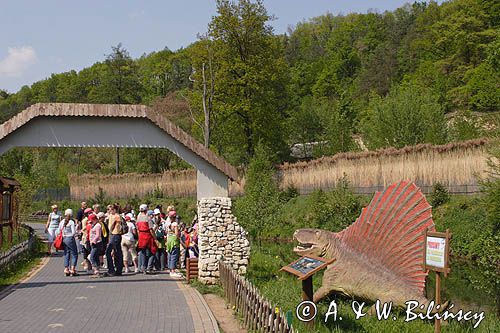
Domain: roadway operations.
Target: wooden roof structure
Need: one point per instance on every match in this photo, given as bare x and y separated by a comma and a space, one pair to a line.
118, 111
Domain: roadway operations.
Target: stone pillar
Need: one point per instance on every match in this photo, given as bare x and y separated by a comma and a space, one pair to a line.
220, 237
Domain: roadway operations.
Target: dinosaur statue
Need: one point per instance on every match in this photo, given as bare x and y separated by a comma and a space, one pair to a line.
379, 256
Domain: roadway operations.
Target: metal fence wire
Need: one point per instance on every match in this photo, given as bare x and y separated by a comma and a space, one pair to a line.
54, 194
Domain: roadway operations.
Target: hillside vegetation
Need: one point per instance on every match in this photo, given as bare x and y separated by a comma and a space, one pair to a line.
391, 78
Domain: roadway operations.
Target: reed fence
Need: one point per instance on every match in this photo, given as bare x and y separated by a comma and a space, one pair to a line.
257, 312
15, 252
457, 166
174, 183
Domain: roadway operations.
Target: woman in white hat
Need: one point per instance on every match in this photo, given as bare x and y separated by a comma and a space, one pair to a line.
68, 228
51, 227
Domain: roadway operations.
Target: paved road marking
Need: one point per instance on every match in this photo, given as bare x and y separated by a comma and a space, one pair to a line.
81, 297
55, 325
56, 309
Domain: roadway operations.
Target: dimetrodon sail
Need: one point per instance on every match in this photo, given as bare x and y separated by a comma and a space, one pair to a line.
379, 256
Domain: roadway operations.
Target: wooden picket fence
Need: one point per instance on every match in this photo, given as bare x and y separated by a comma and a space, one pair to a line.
17, 251
257, 312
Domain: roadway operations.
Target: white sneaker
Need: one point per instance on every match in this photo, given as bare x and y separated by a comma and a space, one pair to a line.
175, 275
137, 270
126, 270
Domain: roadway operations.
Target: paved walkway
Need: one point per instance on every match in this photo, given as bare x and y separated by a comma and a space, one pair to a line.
52, 302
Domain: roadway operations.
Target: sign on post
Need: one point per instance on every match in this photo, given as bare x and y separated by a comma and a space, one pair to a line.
436, 258
306, 266
436, 251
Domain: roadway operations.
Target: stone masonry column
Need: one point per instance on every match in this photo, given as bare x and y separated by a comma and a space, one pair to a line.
220, 237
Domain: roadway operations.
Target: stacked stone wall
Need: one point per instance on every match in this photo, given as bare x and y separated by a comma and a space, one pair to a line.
220, 237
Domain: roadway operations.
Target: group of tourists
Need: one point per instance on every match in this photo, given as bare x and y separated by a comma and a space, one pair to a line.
120, 241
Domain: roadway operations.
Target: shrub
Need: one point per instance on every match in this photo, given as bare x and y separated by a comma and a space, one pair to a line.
289, 193
439, 195
334, 210
259, 209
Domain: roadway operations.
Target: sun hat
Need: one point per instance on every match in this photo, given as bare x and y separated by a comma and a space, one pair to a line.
68, 212
172, 213
150, 212
92, 217
157, 211
143, 207
100, 215
87, 210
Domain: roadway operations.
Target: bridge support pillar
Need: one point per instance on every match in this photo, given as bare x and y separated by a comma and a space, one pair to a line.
220, 237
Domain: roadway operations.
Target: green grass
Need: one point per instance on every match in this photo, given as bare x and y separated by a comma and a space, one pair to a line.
284, 290
468, 285
17, 238
207, 289
16, 271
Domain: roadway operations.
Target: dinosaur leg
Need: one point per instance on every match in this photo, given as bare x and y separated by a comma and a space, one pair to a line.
322, 292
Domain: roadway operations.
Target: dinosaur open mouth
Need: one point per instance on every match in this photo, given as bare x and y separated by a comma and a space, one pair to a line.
303, 246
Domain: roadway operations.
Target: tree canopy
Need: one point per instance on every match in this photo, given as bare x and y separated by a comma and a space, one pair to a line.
419, 74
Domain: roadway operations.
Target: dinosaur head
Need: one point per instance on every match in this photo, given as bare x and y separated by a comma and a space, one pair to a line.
312, 241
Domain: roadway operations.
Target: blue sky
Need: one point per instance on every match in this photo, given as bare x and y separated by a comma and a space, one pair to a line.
52, 36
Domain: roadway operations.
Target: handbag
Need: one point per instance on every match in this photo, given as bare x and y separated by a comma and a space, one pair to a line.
58, 242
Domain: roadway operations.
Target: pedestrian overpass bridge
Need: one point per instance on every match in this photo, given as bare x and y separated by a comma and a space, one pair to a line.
115, 125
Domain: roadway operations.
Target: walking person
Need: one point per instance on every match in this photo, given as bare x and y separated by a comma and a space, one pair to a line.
115, 243
85, 240
96, 208
129, 210
129, 243
146, 243
193, 242
173, 245
184, 241
68, 228
95, 239
80, 214
51, 227
104, 237
160, 255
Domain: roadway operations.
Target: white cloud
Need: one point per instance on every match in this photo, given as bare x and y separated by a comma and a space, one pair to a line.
18, 60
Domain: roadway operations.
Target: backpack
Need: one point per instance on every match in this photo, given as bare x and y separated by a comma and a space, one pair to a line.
159, 235
123, 225
104, 229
